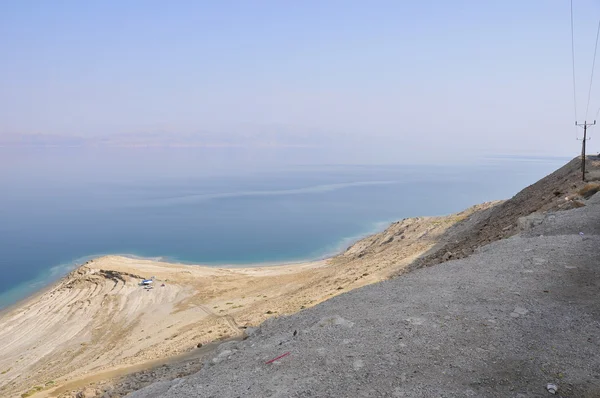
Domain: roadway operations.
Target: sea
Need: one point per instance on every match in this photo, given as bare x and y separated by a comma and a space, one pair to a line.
60, 207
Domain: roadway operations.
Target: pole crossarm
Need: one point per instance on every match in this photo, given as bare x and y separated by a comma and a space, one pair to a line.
585, 125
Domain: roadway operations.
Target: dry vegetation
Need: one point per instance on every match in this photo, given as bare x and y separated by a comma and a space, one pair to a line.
589, 190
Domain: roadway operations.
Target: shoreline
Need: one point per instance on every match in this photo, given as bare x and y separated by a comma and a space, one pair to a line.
162, 260
55, 282
344, 244
50, 282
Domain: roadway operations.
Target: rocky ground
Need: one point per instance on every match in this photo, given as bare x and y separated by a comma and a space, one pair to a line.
520, 317
557, 191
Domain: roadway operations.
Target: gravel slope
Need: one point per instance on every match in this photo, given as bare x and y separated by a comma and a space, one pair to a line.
518, 314
556, 191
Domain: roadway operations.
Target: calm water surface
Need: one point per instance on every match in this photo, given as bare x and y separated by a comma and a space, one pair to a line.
59, 207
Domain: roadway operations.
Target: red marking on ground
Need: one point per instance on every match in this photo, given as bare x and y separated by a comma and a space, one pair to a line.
279, 357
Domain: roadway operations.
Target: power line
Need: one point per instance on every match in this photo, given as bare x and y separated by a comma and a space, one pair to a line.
573, 59
595, 118
592, 74
585, 124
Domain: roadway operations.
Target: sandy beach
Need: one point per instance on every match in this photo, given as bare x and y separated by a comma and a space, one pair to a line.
99, 319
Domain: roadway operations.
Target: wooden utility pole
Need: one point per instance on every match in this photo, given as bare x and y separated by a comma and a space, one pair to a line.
585, 124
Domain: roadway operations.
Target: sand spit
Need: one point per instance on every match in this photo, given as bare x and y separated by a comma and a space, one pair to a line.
98, 318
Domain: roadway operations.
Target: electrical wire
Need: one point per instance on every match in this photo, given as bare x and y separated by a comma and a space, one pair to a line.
573, 60
595, 118
592, 74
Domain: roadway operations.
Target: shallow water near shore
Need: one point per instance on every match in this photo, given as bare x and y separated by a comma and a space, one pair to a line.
62, 207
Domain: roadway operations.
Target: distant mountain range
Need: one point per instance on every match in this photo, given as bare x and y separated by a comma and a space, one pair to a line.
158, 140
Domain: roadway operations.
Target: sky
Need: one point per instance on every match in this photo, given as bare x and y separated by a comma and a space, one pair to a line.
369, 80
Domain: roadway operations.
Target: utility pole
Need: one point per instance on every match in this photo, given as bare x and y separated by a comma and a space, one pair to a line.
585, 125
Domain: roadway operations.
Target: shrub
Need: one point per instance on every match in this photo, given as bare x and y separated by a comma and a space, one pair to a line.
589, 190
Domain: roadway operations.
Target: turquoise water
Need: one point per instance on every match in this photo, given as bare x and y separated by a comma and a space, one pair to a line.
59, 208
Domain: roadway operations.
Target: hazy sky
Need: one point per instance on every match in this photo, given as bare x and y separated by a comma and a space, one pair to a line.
397, 76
